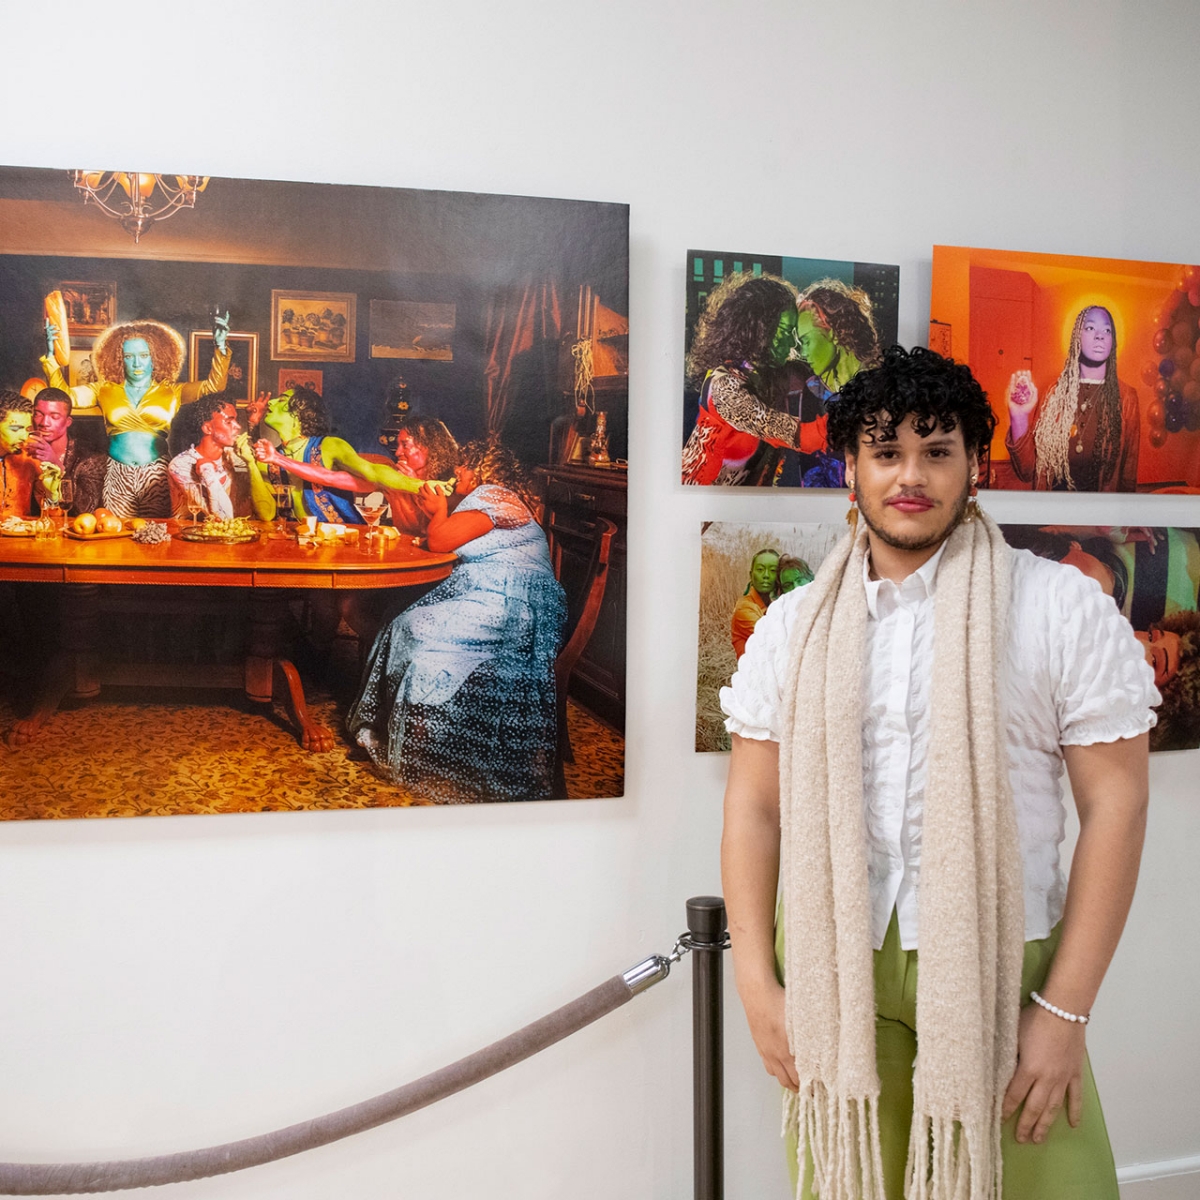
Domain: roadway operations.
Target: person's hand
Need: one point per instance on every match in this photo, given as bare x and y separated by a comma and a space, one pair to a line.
443, 487
1022, 398
1049, 1071
431, 500
764, 1012
245, 450
42, 450
256, 409
265, 452
220, 331
51, 337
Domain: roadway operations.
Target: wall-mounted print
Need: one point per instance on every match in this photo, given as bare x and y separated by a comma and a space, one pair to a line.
317, 326
1091, 366
1153, 576
241, 375
411, 329
744, 568
294, 377
91, 307
264, 607
769, 341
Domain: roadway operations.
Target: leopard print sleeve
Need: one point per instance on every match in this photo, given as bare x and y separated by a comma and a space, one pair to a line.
741, 408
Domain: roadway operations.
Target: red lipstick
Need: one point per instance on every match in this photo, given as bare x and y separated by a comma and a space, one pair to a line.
910, 504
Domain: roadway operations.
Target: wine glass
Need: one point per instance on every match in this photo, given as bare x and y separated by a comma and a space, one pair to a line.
284, 507
372, 507
66, 494
195, 502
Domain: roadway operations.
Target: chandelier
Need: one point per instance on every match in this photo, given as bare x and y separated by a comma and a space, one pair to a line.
138, 200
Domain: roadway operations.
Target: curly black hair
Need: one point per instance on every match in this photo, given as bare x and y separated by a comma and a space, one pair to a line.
738, 322
309, 409
937, 392
185, 431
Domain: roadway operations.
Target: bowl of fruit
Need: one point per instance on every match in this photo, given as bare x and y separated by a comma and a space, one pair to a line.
101, 524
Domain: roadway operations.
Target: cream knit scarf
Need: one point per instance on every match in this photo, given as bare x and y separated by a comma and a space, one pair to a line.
971, 918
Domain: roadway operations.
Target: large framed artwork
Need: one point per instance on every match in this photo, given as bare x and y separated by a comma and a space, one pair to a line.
769, 341
1091, 365
252, 602
312, 326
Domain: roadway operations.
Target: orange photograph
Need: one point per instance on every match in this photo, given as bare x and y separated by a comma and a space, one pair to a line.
1091, 365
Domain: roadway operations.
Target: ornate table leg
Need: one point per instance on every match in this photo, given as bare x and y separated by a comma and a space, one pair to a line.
267, 656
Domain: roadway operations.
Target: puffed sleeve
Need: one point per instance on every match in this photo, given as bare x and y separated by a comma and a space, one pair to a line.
1105, 689
753, 701
505, 508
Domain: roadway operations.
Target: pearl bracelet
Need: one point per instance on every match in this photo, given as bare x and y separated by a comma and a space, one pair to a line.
1058, 1012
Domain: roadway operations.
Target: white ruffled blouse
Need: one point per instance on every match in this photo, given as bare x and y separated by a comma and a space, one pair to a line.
1075, 675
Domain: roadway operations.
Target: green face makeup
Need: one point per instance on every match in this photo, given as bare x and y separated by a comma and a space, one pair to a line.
784, 340
14, 430
280, 417
816, 347
763, 574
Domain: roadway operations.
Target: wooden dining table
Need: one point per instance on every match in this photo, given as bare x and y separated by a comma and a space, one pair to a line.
272, 569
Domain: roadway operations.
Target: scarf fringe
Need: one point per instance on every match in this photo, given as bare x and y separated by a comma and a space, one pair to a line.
948, 1160
840, 1136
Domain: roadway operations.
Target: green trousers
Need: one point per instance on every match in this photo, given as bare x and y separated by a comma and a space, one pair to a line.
1071, 1164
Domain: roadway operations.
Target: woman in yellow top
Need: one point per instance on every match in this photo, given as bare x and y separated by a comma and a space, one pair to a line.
138, 363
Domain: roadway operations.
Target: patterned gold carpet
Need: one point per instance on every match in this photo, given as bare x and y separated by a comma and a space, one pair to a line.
198, 752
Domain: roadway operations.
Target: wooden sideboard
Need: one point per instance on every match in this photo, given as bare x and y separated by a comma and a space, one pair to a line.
574, 496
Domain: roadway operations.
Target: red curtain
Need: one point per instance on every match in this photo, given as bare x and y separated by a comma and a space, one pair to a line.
524, 325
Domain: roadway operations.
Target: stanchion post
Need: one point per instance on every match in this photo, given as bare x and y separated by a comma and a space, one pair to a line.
706, 927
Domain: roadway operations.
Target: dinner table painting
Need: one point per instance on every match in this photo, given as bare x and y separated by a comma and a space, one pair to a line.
333, 584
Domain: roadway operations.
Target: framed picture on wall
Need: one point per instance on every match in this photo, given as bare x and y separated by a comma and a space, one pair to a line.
91, 307
411, 329
243, 364
317, 326
80, 369
293, 377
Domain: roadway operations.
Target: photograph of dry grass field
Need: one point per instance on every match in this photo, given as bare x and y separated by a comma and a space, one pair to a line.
744, 567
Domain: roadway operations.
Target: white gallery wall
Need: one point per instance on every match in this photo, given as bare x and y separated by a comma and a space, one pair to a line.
174, 982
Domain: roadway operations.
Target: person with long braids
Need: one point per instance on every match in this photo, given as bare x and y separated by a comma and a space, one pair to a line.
1083, 437
744, 337
139, 363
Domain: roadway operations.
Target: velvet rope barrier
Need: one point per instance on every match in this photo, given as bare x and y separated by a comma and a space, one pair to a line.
53, 1179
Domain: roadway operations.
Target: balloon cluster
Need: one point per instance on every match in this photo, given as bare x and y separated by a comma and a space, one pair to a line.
1175, 376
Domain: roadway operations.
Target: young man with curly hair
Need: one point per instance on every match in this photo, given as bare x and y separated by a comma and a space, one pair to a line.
900, 726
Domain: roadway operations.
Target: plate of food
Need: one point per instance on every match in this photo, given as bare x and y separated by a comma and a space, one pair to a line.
98, 527
18, 527
221, 532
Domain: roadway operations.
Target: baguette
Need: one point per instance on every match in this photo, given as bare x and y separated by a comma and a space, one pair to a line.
56, 313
